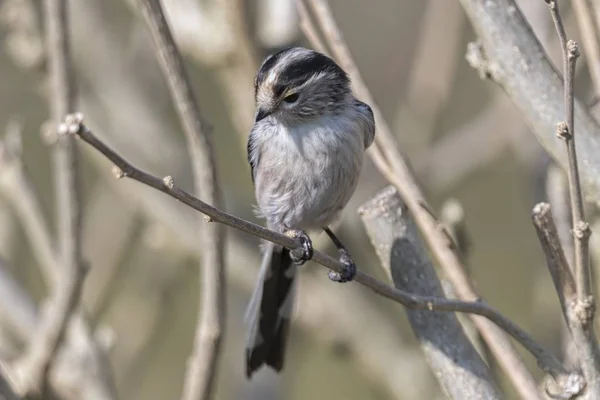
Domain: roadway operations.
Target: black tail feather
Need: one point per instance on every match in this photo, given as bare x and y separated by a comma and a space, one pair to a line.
273, 325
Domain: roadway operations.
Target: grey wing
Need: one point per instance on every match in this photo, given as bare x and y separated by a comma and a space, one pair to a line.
368, 120
253, 154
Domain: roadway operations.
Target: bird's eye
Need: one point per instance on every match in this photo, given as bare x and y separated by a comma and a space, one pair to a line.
292, 98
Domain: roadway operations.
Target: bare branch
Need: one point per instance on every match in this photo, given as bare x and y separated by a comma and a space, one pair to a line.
557, 192
394, 166
36, 362
454, 361
166, 185
566, 131
202, 364
582, 308
556, 260
93, 373
517, 62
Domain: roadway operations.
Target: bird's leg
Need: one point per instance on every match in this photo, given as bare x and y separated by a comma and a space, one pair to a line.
349, 271
302, 254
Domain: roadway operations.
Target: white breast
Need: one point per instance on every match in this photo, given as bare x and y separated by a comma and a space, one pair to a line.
308, 173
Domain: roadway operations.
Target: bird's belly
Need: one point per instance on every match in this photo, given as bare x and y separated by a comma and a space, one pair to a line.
310, 193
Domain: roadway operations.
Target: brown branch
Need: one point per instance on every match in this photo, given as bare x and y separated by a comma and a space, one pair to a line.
65, 296
397, 170
166, 185
581, 310
202, 364
453, 359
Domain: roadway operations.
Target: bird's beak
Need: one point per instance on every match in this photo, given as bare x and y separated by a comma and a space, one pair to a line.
262, 113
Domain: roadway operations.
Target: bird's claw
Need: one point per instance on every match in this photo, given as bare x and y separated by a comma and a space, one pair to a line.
302, 254
349, 270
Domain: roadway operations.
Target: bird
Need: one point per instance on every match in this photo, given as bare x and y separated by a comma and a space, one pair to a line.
306, 152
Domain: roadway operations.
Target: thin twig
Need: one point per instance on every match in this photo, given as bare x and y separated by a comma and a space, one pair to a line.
399, 173
555, 257
557, 192
166, 185
580, 313
65, 297
202, 364
566, 131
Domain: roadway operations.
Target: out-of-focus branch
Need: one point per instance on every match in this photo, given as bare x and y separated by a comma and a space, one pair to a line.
203, 363
80, 366
456, 364
277, 22
412, 301
582, 309
514, 58
215, 34
431, 82
397, 170
35, 364
590, 37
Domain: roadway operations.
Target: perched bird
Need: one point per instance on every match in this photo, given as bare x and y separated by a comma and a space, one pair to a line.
306, 151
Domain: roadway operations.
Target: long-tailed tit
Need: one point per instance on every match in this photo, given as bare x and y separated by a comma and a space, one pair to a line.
306, 152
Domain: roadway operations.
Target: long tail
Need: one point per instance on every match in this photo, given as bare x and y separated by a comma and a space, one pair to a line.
270, 319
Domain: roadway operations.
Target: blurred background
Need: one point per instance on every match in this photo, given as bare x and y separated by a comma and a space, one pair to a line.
466, 142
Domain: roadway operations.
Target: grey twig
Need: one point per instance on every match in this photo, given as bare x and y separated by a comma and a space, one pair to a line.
566, 131
456, 364
557, 192
166, 185
565, 285
394, 166
581, 309
202, 364
556, 260
65, 296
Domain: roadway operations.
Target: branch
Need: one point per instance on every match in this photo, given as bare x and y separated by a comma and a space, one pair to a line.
566, 131
166, 185
563, 279
454, 361
36, 362
516, 61
80, 351
394, 166
582, 308
202, 364
558, 197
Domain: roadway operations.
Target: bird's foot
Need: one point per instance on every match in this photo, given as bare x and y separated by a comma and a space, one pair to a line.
304, 253
349, 270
